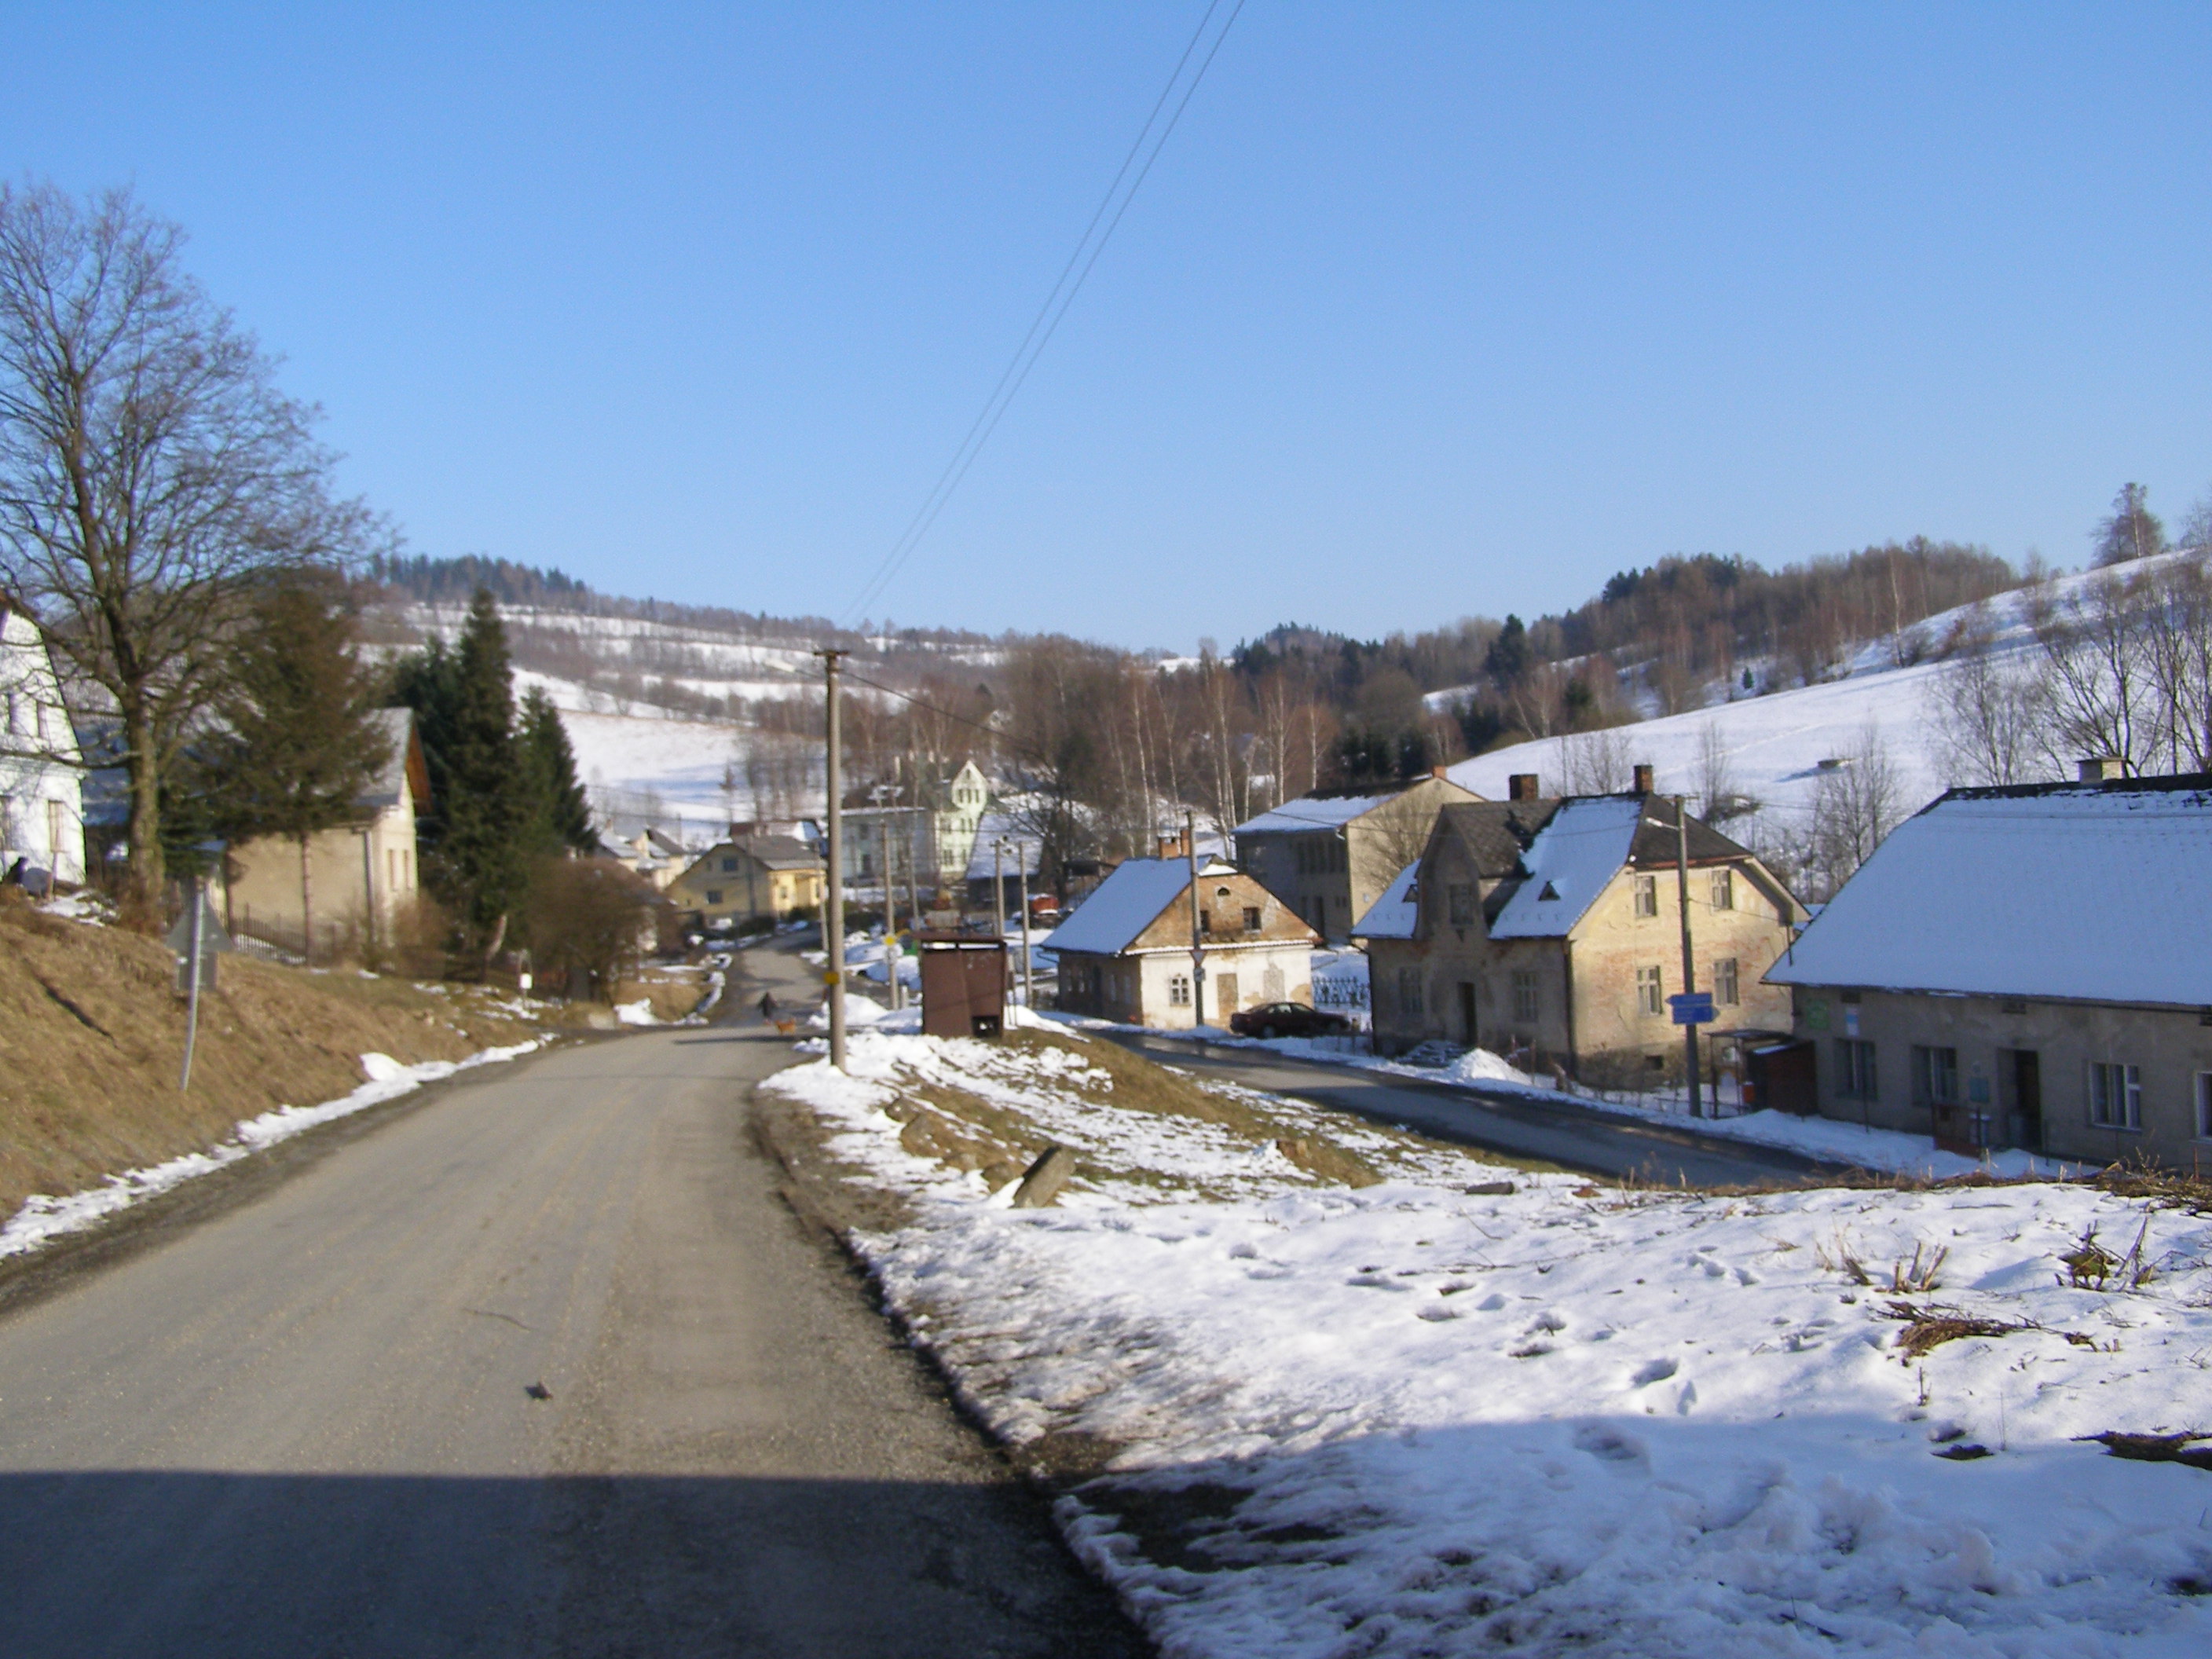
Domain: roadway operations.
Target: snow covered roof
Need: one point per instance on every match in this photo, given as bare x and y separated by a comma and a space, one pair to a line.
2093, 891
1393, 915
1315, 812
1127, 903
1581, 848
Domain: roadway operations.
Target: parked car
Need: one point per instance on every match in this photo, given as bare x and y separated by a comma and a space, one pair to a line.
1275, 1020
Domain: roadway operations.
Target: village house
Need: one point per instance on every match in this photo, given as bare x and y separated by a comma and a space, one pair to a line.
751, 878
1330, 854
928, 839
1124, 954
1550, 930
656, 856
2024, 967
41, 791
360, 874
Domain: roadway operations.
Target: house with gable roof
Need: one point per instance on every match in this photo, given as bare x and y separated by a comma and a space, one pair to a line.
2025, 966
41, 764
1549, 929
1124, 952
1332, 853
751, 878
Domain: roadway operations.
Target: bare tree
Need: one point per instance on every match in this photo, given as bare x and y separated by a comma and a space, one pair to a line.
1719, 796
1594, 762
147, 466
2096, 676
1855, 805
1988, 713
2131, 531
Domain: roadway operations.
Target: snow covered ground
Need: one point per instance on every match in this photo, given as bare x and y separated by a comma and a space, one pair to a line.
1431, 1415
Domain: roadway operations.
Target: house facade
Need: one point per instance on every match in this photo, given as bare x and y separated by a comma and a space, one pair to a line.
1124, 954
751, 878
41, 775
360, 874
1550, 930
2023, 967
1330, 855
929, 838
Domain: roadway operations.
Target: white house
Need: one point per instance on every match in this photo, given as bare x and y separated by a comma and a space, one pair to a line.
1126, 954
41, 768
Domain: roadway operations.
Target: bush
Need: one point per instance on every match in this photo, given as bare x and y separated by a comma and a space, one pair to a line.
588, 922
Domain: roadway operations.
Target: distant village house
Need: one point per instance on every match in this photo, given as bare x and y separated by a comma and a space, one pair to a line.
1124, 954
751, 878
41, 787
1331, 854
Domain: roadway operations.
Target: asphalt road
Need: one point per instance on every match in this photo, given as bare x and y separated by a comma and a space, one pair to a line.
1570, 1137
312, 1423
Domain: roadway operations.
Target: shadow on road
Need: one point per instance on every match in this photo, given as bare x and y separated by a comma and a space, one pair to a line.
162, 1563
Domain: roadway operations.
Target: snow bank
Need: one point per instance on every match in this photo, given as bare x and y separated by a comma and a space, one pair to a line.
1419, 1417
42, 1219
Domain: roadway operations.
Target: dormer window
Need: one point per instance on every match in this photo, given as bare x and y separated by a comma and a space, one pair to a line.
1459, 896
1549, 892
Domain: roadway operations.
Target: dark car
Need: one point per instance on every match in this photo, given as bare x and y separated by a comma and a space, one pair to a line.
1276, 1019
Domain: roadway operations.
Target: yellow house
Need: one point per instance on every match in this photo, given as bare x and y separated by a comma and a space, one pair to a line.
753, 877
360, 874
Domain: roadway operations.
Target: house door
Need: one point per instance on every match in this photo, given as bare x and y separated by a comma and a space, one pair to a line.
1224, 994
2027, 1097
1466, 1026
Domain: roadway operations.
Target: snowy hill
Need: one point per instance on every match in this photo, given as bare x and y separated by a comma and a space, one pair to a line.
1772, 745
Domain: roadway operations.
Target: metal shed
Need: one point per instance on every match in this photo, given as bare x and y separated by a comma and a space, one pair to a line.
963, 984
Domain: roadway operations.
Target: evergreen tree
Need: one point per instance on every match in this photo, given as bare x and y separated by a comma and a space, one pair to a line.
301, 741
464, 698
560, 821
2132, 532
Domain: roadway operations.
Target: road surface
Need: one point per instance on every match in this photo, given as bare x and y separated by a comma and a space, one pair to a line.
1571, 1137
541, 1366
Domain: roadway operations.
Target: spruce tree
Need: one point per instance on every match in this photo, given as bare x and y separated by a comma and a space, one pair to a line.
477, 860
301, 741
561, 819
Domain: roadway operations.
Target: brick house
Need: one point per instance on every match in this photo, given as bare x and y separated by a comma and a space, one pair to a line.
751, 878
1125, 953
2028, 966
1330, 854
1550, 929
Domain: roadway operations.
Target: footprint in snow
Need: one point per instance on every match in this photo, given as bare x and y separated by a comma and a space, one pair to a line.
1656, 1371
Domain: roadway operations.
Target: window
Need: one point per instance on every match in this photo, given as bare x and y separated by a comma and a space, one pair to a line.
1179, 990
1934, 1076
1251, 918
1649, 997
729, 865
1724, 893
2115, 1094
1724, 983
714, 896
1855, 1071
1524, 995
2204, 1105
1461, 897
1409, 991
1647, 895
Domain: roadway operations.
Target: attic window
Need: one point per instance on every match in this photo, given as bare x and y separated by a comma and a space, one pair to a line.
1221, 892
1549, 892
1251, 919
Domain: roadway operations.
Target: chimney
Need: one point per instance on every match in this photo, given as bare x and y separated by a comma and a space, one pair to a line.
1171, 847
1643, 775
1439, 771
2098, 768
1521, 786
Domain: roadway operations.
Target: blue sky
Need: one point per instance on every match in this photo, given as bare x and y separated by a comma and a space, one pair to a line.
1425, 311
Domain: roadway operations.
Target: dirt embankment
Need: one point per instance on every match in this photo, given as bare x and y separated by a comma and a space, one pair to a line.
91, 1034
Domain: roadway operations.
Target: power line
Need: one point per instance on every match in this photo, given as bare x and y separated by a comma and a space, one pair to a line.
1047, 319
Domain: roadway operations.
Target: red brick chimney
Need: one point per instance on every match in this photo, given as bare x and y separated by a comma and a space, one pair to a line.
1521, 786
1644, 775
1171, 847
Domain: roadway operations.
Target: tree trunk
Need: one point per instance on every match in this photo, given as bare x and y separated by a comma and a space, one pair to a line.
148, 878
306, 903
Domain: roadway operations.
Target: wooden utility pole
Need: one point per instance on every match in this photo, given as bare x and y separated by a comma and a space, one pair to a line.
1197, 924
999, 890
833, 904
1022, 869
1689, 960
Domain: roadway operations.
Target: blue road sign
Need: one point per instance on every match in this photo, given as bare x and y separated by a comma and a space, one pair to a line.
1692, 1008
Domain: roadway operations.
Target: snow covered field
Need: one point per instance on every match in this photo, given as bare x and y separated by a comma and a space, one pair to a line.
1429, 1415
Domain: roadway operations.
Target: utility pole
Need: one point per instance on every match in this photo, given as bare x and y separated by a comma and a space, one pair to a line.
193, 969
1022, 869
833, 904
1197, 927
1689, 961
998, 890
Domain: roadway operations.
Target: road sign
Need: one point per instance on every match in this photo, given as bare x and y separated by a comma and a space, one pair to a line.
1693, 1008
